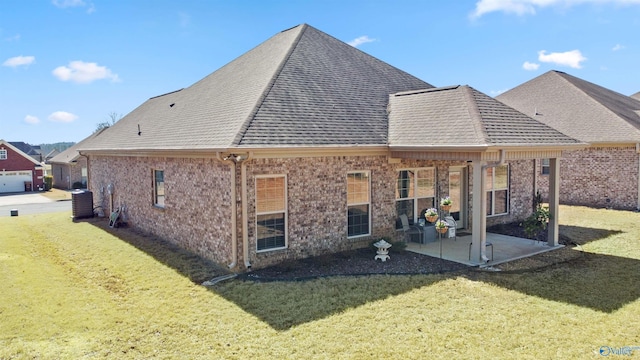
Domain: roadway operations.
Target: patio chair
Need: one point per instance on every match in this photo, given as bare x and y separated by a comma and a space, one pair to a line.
410, 229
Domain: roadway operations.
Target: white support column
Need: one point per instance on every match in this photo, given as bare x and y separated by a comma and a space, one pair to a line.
554, 200
479, 222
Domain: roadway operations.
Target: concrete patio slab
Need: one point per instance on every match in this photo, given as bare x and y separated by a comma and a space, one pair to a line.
505, 248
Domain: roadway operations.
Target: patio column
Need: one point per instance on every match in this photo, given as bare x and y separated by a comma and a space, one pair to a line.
554, 200
479, 213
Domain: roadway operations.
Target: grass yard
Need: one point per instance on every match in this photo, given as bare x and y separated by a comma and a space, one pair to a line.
75, 290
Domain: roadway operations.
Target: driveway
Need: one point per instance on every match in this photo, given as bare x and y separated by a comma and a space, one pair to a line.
30, 203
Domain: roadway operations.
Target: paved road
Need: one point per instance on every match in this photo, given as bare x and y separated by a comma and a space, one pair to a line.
31, 204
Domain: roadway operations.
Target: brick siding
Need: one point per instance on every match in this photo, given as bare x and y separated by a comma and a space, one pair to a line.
17, 162
197, 204
65, 175
600, 177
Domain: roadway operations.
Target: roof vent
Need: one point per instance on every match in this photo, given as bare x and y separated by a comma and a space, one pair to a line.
171, 105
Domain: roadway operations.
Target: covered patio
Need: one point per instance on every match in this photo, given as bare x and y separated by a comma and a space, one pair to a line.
502, 248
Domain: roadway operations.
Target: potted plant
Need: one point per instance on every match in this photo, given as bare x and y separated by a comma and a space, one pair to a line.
442, 226
431, 215
445, 203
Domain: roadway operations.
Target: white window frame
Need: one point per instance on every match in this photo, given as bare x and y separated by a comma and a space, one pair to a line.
544, 164
415, 197
284, 211
491, 191
156, 196
367, 174
3, 154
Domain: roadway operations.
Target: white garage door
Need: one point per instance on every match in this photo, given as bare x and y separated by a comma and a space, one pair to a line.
13, 181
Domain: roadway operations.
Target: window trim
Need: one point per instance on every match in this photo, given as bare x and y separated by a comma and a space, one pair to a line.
544, 166
285, 211
492, 191
416, 197
368, 202
6, 154
155, 189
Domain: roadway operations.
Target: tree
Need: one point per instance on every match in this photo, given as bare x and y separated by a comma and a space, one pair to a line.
113, 118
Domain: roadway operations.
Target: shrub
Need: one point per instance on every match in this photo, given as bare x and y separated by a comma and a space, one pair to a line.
537, 221
48, 182
77, 185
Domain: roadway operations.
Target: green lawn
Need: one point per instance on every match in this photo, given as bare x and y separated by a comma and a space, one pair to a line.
75, 290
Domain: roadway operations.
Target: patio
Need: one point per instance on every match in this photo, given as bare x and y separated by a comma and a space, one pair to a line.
505, 248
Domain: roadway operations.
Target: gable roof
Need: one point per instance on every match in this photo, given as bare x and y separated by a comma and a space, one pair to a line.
301, 87
578, 108
32, 150
461, 116
72, 153
10, 145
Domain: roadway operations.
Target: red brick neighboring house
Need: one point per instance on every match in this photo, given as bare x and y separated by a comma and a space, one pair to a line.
306, 145
605, 174
19, 172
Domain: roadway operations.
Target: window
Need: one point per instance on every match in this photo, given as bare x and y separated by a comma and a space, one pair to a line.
497, 186
545, 166
358, 204
271, 212
415, 192
3, 154
158, 188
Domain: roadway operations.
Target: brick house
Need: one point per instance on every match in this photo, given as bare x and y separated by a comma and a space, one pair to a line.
69, 168
607, 172
19, 172
306, 145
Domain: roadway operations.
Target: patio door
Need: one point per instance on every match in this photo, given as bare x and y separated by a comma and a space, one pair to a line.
458, 194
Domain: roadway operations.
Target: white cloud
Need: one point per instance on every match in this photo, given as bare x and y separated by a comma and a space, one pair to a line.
360, 40
15, 37
530, 66
30, 119
19, 61
529, 7
84, 72
497, 92
91, 8
68, 3
571, 58
617, 47
62, 116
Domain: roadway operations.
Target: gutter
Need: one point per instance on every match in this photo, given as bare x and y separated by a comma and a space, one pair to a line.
234, 215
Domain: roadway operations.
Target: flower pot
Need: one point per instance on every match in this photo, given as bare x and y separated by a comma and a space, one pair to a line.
442, 230
432, 218
445, 207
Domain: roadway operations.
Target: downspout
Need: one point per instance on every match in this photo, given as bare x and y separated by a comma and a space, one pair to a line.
234, 215
245, 230
501, 160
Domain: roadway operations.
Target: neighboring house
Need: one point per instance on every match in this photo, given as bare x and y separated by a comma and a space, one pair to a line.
636, 95
606, 174
19, 172
69, 168
32, 150
51, 154
306, 145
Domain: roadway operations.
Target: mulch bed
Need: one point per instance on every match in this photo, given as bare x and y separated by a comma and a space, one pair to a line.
351, 263
361, 262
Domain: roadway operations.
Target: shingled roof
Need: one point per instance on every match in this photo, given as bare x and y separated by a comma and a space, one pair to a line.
636, 95
71, 154
461, 116
301, 87
578, 108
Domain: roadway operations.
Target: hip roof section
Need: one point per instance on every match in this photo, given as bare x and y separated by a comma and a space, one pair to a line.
459, 116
